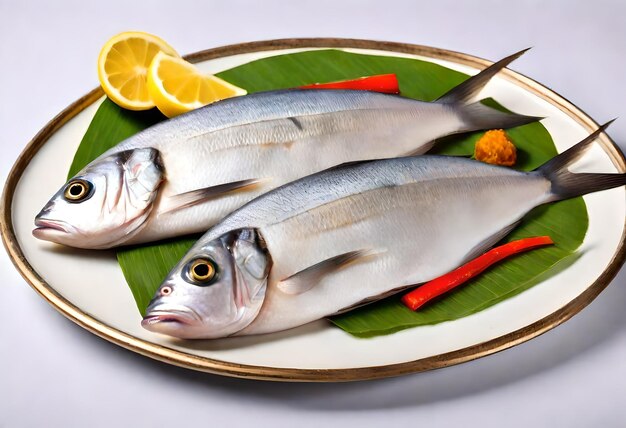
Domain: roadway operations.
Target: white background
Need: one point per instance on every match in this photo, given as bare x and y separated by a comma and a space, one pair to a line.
54, 374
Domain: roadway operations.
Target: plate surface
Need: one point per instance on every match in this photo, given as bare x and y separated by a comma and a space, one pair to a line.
88, 286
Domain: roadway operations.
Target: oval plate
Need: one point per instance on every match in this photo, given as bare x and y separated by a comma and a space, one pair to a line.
88, 287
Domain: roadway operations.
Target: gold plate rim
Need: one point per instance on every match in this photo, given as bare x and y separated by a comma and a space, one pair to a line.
215, 366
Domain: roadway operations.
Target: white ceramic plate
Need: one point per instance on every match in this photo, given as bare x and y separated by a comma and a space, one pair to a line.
88, 286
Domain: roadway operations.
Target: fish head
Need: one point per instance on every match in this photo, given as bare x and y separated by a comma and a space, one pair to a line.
105, 204
215, 291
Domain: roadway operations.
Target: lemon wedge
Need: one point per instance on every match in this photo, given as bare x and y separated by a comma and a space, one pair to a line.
123, 65
177, 86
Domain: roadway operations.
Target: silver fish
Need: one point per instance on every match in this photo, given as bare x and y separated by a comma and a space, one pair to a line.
349, 235
183, 175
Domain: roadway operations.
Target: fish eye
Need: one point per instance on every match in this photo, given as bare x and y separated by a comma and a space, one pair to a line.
77, 190
201, 271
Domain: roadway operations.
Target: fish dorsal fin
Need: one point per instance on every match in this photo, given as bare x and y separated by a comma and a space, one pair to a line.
198, 196
296, 122
470, 87
307, 278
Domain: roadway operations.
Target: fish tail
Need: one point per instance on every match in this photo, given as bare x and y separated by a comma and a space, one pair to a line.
566, 184
463, 93
477, 116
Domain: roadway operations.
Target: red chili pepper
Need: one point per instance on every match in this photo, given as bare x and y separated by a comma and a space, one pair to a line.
386, 83
438, 286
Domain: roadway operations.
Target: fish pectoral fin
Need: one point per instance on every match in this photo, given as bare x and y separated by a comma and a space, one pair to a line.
306, 279
490, 241
420, 150
349, 164
198, 196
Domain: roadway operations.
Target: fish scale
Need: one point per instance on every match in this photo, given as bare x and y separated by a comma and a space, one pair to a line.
263, 149
204, 164
395, 223
352, 234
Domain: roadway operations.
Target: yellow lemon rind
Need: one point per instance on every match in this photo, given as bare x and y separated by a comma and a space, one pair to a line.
166, 102
112, 92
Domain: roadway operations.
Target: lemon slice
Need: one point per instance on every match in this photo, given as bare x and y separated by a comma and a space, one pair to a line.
177, 86
123, 65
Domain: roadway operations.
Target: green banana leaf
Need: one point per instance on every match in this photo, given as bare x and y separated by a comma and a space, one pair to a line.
566, 222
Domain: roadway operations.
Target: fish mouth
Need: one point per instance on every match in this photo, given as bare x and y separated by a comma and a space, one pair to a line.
45, 227
161, 320
164, 317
